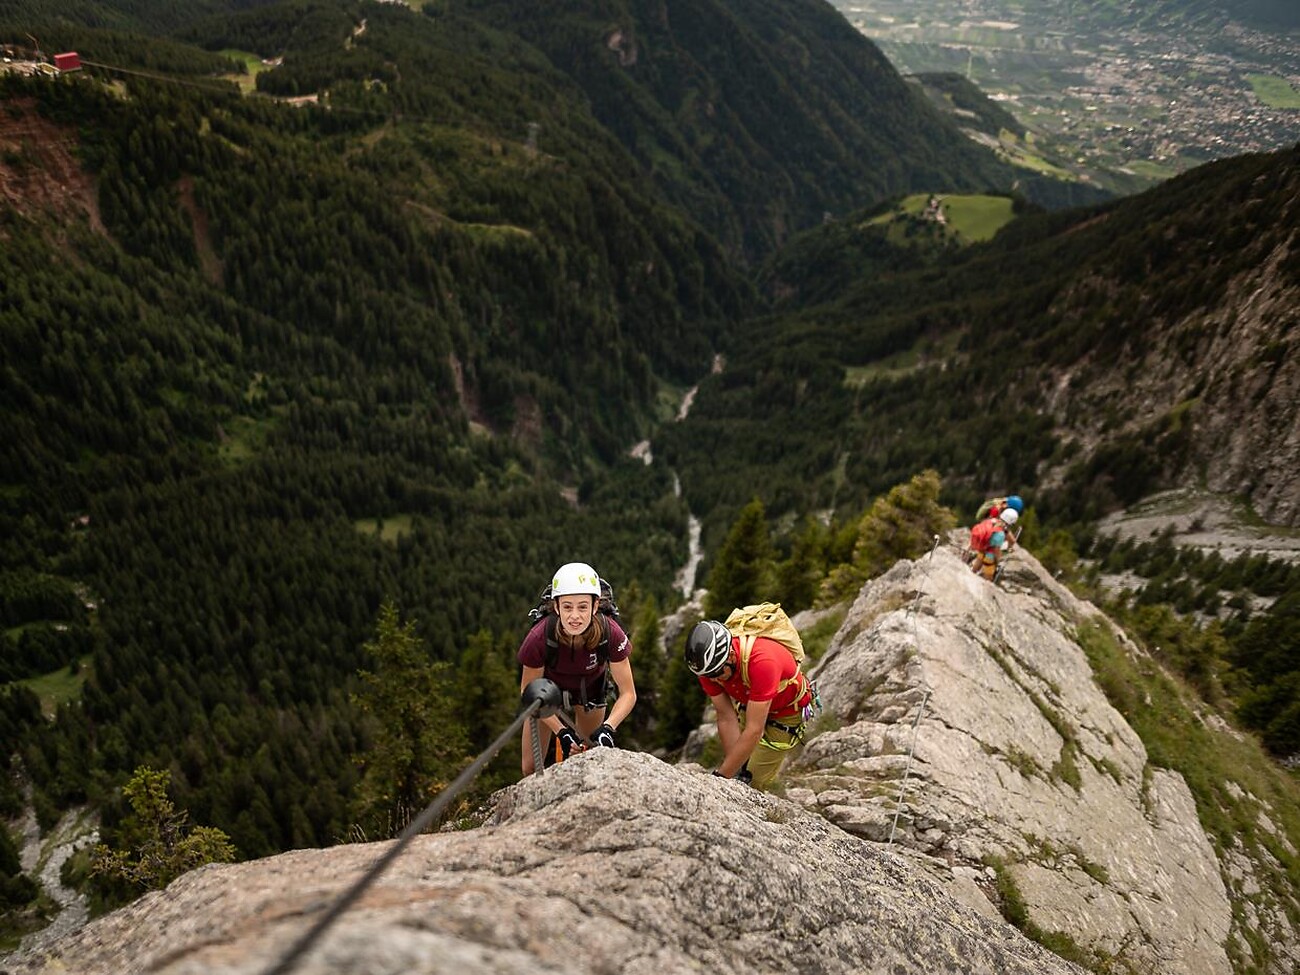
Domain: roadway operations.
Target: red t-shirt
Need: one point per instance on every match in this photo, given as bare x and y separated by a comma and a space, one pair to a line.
577, 669
770, 663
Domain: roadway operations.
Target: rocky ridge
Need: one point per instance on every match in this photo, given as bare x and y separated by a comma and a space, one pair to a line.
1020, 761
612, 862
1019, 775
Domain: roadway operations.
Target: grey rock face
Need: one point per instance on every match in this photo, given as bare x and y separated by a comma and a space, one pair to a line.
612, 862
615, 862
44, 859
1235, 378
1018, 759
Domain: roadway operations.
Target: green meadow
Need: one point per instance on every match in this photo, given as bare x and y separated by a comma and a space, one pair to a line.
1273, 91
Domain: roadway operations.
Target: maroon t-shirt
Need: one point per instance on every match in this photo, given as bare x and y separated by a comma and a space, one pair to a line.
577, 670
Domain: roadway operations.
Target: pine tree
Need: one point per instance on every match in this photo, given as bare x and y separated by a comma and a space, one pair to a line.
16, 888
681, 704
648, 665
159, 845
489, 696
900, 525
744, 570
419, 743
799, 576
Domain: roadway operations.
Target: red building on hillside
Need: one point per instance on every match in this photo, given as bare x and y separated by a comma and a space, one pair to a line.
69, 61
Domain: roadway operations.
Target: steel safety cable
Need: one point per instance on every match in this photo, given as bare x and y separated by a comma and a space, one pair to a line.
416, 827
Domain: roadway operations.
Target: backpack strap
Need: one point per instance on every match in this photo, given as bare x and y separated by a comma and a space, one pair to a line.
747, 646
552, 643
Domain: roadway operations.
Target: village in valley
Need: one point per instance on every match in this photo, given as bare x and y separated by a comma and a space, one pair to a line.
1147, 102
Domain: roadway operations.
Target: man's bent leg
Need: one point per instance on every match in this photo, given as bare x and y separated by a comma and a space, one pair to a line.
766, 761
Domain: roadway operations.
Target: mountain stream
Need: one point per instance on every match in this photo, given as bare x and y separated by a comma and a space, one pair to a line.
685, 581
43, 859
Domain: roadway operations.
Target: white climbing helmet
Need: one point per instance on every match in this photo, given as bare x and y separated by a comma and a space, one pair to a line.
575, 579
1010, 516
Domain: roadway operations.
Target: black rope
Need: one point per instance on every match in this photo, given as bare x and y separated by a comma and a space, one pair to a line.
416, 827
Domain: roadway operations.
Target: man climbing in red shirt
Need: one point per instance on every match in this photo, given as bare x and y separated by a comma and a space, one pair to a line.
762, 699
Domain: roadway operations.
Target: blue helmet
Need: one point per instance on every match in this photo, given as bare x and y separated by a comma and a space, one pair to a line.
1015, 502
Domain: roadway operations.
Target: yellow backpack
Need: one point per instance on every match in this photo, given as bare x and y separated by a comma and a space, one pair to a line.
769, 620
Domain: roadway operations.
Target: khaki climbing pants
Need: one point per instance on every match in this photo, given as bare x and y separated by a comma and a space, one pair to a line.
769, 754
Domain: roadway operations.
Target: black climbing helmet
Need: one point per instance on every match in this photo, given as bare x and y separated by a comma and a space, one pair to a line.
708, 648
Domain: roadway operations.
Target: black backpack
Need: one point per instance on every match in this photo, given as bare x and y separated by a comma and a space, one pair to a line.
543, 610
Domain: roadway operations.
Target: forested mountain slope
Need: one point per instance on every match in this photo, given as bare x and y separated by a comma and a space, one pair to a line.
1089, 358
380, 322
758, 116
265, 367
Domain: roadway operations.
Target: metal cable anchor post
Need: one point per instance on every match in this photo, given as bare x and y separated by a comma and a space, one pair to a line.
911, 610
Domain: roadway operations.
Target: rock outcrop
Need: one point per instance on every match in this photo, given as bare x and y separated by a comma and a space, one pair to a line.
1021, 767
613, 862
1023, 791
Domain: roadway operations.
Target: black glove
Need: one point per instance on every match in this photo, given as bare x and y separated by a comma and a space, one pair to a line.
568, 741
604, 736
744, 775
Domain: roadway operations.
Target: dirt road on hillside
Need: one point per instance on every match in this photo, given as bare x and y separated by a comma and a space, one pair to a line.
1212, 522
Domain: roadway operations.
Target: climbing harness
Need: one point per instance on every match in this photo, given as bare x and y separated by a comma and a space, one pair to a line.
795, 731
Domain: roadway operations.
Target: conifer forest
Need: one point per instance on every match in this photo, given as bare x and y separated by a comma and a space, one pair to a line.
328, 328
